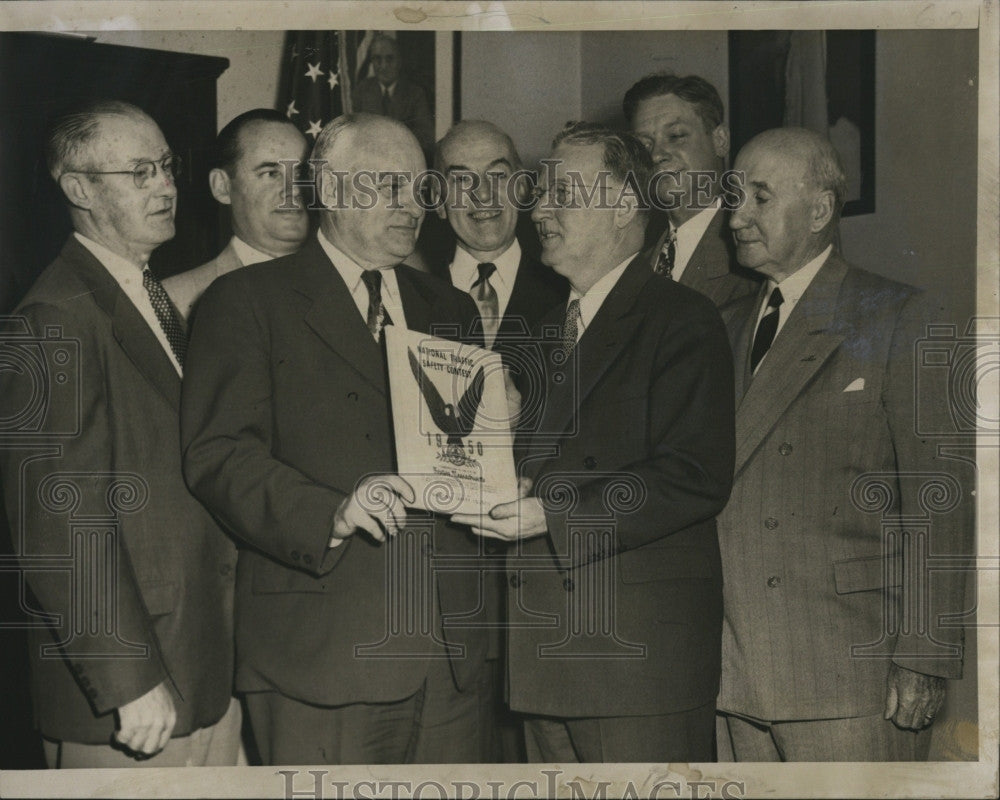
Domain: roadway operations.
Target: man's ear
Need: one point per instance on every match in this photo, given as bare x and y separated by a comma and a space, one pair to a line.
822, 210
627, 206
218, 182
77, 189
720, 140
329, 188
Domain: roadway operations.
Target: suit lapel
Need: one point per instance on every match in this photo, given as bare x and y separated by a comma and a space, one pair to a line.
128, 326
801, 347
334, 317
599, 346
528, 300
710, 260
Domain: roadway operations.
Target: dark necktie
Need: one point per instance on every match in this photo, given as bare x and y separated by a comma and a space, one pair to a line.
385, 101
571, 327
486, 301
169, 321
766, 329
667, 254
377, 317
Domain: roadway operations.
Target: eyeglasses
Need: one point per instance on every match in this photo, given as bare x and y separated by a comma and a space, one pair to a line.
143, 172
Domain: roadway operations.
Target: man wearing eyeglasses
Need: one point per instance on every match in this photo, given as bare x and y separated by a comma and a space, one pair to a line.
345, 651
138, 671
249, 177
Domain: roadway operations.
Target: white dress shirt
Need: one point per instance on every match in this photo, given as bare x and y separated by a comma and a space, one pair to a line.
465, 272
350, 272
792, 289
591, 302
248, 255
129, 278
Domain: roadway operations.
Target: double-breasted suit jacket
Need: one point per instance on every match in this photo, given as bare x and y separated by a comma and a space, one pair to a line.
712, 269
828, 457
285, 408
617, 609
103, 471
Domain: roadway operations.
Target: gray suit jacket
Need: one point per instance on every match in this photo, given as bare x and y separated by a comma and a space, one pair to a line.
827, 459
186, 288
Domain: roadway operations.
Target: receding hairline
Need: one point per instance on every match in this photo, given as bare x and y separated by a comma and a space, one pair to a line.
342, 130
471, 128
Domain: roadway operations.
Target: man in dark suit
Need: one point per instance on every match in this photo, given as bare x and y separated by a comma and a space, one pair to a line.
615, 606
289, 441
834, 648
680, 121
248, 176
388, 92
142, 670
483, 187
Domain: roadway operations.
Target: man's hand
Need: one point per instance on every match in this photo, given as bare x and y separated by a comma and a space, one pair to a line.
523, 518
145, 724
376, 506
912, 698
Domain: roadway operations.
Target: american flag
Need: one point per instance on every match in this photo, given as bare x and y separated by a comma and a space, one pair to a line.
317, 74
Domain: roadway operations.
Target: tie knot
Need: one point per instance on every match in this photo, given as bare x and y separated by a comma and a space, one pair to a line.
776, 299
372, 279
486, 271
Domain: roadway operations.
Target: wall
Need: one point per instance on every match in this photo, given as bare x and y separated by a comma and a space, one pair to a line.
254, 61
527, 83
614, 60
923, 230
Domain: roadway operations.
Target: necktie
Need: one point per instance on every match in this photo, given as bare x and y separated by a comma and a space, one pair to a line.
377, 317
571, 327
665, 259
169, 321
766, 330
486, 300
385, 101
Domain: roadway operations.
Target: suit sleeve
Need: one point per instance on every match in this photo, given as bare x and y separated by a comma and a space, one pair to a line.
83, 459
686, 473
226, 435
918, 402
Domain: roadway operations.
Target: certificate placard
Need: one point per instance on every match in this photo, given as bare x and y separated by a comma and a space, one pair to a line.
451, 422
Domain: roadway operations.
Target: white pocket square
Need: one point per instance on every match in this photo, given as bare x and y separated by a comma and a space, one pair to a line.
856, 385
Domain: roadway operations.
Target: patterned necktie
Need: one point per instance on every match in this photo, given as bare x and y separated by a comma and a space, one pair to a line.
571, 327
378, 317
766, 330
486, 300
169, 321
665, 259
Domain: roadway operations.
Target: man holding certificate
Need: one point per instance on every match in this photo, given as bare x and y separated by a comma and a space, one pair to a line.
343, 652
615, 589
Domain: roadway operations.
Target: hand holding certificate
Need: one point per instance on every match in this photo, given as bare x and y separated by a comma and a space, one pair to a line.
452, 422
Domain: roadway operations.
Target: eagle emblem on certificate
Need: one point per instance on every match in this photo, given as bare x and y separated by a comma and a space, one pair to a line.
451, 422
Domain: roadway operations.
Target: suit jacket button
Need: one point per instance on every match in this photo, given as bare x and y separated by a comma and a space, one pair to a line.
590, 462
515, 581
295, 555
226, 570
785, 448
568, 584
773, 582
770, 523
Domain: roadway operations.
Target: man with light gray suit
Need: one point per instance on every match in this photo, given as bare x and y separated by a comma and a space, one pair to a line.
836, 645
249, 177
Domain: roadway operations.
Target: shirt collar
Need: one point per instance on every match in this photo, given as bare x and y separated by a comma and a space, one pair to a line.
697, 225
120, 267
591, 302
351, 271
795, 285
247, 254
465, 268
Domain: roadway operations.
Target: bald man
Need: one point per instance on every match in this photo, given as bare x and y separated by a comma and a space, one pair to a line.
833, 647
288, 439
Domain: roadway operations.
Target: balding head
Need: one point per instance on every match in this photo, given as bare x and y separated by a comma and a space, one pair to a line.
367, 187
482, 188
795, 189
